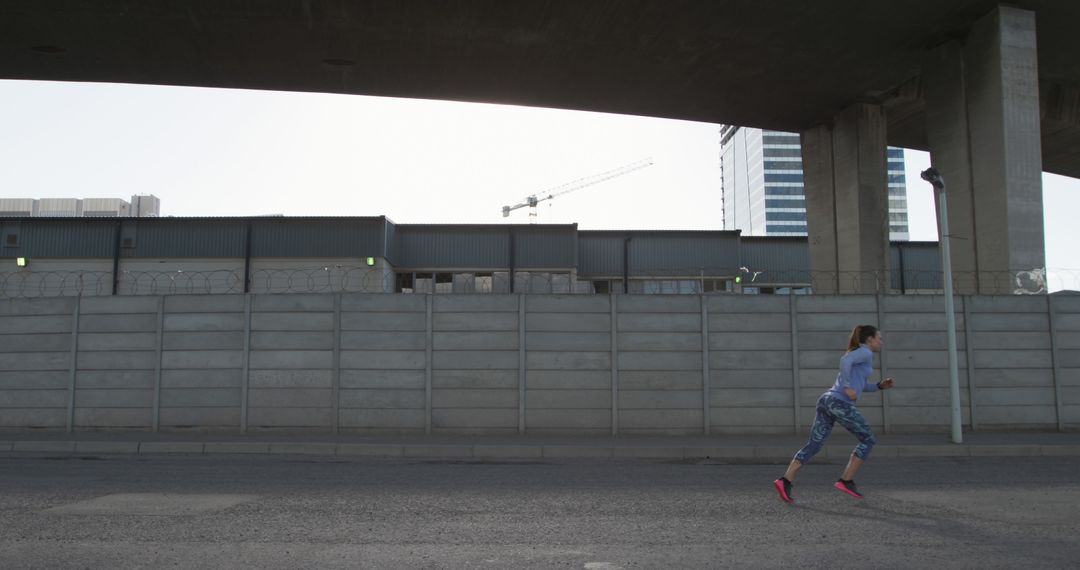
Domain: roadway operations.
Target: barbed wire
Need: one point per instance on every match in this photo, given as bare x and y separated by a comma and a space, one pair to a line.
363, 279
20, 284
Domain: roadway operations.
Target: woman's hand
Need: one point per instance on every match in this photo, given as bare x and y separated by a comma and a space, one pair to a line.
850, 393
886, 383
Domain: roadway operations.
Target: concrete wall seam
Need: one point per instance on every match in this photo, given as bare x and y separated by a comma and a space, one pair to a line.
521, 364
245, 378
969, 353
157, 363
795, 375
884, 360
613, 323
706, 400
1059, 411
428, 303
74, 365
335, 374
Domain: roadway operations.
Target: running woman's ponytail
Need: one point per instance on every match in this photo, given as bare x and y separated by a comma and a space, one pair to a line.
859, 335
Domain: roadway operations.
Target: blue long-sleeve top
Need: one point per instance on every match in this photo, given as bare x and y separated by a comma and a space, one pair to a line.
855, 369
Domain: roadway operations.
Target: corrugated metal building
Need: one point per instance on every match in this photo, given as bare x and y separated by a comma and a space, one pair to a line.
301, 254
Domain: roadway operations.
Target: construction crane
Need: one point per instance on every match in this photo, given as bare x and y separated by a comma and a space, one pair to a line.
573, 185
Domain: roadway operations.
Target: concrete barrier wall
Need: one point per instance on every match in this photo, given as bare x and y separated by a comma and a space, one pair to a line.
916, 354
36, 362
752, 380
659, 351
203, 360
377, 363
383, 375
568, 374
1066, 353
116, 364
474, 382
1012, 361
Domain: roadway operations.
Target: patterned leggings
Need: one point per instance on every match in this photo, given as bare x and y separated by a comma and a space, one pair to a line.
830, 410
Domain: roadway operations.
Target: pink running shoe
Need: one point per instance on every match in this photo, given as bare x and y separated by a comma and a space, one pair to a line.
783, 486
847, 487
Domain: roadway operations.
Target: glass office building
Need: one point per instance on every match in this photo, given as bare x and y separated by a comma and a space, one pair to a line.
763, 192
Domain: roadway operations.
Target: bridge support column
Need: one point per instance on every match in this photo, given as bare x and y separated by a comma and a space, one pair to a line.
847, 202
982, 111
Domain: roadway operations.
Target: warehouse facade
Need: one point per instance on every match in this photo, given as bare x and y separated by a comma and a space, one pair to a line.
154, 256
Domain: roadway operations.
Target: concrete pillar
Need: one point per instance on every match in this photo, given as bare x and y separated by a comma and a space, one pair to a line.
820, 208
847, 202
982, 109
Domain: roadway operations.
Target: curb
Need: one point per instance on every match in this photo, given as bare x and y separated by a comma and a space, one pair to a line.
759, 454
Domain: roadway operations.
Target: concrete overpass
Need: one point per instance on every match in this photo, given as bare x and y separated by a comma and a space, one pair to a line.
962, 79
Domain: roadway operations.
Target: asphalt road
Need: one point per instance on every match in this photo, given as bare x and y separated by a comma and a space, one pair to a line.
294, 512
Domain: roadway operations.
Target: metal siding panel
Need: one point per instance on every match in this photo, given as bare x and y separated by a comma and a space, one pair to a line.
894, 266
316, 238
780, 260
389, 243
181, 238
545, 247
437, 247
922, 266
64, 239
921, 256
600, 254
687, 254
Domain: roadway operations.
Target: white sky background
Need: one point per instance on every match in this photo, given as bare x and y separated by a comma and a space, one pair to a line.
217, 152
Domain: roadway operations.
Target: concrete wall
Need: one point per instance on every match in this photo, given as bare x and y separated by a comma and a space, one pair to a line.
360, 363
383, 379
203, 361
116, 363
36, 362
752, 384
568, 374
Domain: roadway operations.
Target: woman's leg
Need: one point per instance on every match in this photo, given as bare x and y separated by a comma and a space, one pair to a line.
819, 432
849, 417
853, 466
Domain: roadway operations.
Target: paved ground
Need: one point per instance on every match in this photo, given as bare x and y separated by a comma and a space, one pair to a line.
741, 447
230, 511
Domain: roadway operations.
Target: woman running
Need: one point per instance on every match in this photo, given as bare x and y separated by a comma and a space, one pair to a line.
837, 405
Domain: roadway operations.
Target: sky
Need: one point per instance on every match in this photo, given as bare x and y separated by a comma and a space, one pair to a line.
222, 152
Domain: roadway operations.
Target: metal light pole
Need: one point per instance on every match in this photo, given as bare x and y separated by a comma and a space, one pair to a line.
932, 176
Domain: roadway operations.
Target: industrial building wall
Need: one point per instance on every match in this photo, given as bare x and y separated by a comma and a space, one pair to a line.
379, 363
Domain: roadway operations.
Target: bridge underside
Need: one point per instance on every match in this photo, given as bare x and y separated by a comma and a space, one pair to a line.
785, 65
992, 92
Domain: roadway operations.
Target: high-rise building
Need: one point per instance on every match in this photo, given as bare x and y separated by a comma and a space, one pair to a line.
762, 179
898, 212
141, 206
